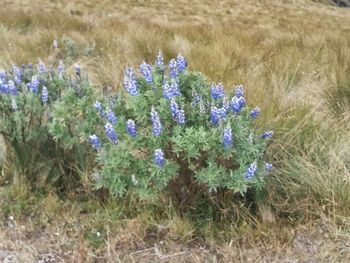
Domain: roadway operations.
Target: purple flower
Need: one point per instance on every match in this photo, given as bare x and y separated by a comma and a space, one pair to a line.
237, 103
267, 135
111, 134
146, 71
95, 142
159, 157
216, 114
174, 87
181, 63
160, 60
217, 91
44, 95
251, 171
131, 128
98, 106
227, 137
130, 82
239, 91
12, 88
111, 116
34, 84
157, 126
173, 72
255, 113
177, 113
3, 74
167, 92
17, 74
268, 167
41, 67
172, 90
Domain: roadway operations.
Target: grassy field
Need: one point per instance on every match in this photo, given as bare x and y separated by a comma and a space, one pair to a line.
293, 58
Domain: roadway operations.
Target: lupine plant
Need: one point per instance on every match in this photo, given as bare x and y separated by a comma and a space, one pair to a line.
45, 120
178, 134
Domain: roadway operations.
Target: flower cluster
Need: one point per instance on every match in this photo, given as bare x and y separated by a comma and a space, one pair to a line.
146, 71
156, 124
44, 95
227, 137
177, 113
181, 63
238, 101
95, 142
172, 90
131, 128
159, 157
267, 135
111, 134
251, 171
130, 82
217, 91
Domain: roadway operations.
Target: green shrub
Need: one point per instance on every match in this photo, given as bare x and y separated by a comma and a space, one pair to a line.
41, 113
177, 134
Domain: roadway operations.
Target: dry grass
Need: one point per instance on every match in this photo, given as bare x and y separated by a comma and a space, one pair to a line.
294, 59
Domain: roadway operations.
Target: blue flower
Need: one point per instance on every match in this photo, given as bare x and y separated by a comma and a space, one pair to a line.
77, 69
17, 74
251, 171
34, 84
98, 106
181, 63
41, 67
268, 167
12, 88
267, 135
130, 82
171, 91
159, 157
173, 72
227, 137
131, 128
177, 113
237, 103
146, 71
3, 86
95, 142
239, 91
111, 134
157, 126
44, 95
195, 99
160, 60
3, 74
214, 115
217, 91
255, 113
167, 92
111, 116
174, 87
